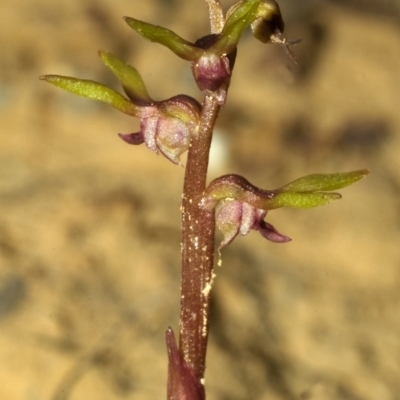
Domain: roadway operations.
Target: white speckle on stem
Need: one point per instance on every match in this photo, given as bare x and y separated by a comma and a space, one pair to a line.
208, 287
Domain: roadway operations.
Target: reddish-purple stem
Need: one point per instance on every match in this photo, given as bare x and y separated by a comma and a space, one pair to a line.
197, 246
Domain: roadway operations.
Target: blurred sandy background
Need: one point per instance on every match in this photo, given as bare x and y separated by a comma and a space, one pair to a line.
89, 227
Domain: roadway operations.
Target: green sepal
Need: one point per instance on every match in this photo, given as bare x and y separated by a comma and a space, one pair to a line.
301, 200
165, 37
306, 192
129, 77
324, 182
95, 91
241, 17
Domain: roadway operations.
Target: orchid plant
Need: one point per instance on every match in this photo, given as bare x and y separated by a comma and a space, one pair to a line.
179, 124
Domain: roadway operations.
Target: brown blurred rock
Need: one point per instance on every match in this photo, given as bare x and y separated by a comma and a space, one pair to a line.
89, 227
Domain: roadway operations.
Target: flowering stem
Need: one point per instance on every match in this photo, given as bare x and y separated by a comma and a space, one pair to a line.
197, 246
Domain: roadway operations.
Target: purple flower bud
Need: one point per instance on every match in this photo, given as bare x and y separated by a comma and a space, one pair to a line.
213, 75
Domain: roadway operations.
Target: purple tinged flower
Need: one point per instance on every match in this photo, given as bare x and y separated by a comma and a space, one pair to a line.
170, 129
241, 207
235, 218
166, 126
168, 135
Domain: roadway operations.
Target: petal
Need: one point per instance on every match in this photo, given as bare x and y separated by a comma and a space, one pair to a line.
129, 77
249, 218
132, 138
165, 37
149, 130
228, 217
270, 233
172, 138
95, 91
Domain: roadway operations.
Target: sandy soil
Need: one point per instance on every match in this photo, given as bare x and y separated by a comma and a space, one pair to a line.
89, 227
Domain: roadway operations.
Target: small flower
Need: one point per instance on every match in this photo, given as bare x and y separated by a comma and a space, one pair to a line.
241, 207
235, 218
166, 126
213, 56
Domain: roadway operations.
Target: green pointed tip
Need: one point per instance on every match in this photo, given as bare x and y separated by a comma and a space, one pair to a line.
165, 37
93, 90
129, 77
324, 182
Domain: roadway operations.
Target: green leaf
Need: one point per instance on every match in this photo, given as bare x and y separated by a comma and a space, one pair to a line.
324, 182
165, 37
129, 77
95, 91
301, 200
241, 17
